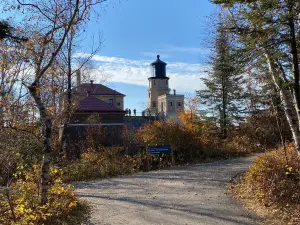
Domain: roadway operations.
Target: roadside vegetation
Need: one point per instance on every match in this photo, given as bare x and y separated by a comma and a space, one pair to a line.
271, 186
262, 39
193, 140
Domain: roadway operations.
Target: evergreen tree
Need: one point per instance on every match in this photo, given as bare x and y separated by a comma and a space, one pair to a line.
223, 94
268, 31
5, 30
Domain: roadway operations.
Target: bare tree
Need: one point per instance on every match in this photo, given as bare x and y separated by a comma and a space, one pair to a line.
48, 23
73, 66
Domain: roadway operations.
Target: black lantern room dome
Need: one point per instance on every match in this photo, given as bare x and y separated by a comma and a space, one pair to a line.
158, 62
159, 68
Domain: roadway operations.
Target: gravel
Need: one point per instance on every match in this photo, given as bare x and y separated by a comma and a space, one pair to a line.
186, 195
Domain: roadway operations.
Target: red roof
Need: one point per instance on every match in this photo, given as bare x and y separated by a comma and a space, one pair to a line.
96, 89
93, 104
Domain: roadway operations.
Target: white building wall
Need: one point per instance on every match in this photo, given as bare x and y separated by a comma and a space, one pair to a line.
170, 105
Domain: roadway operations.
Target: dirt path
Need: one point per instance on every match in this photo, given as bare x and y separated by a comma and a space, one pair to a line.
186, 195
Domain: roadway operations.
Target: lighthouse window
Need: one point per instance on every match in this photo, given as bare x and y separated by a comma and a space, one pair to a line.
110, 101
153, 71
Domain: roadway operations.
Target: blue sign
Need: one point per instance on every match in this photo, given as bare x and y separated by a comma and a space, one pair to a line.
163, 149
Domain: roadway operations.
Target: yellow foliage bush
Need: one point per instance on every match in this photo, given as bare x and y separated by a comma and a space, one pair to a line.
20, 204
184, 142
274, 180
104, 164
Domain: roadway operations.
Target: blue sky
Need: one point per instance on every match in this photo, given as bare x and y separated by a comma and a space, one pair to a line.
135, 31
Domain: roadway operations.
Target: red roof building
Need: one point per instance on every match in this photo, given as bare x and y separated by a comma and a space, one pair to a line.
92, 104
96, 89
95, 104
89, 93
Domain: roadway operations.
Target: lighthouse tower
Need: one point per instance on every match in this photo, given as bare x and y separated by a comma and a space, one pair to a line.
161, 103
158, 84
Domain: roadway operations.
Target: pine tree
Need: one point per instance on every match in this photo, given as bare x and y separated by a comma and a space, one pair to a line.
268, 31
223, 94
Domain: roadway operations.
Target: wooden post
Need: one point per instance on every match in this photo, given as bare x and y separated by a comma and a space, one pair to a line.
148, 163
173, 157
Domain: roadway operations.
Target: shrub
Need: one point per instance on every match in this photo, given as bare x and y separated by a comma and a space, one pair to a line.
261, 131
20, 204
23, 150
193, 140
131, 142
110, 162
274, 180
183, 142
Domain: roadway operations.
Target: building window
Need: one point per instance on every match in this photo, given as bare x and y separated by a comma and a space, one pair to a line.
154, 82
171, 103
179, 104
110, 101
149, 94
166, 82
119, 104
162, 107
154, 104
153, 71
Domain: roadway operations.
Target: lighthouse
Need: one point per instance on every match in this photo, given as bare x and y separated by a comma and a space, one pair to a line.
160, 102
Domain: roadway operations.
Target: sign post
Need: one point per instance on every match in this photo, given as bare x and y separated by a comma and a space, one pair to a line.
173, 158
157, 150
162, 149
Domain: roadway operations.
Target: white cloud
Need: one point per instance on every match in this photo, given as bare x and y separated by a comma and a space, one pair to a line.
183, 76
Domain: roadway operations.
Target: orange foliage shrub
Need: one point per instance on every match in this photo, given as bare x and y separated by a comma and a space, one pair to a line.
193, 139
190, 138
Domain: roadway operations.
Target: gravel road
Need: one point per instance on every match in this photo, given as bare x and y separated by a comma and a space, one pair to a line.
185, 195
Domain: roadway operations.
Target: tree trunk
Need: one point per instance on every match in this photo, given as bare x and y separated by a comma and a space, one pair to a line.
64, 148
286, 96
295, 59
47, 123
68, 110
224, 107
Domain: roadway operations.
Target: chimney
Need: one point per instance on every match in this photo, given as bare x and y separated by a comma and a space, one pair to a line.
91, 89
78, 77
174, 91
115, 99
